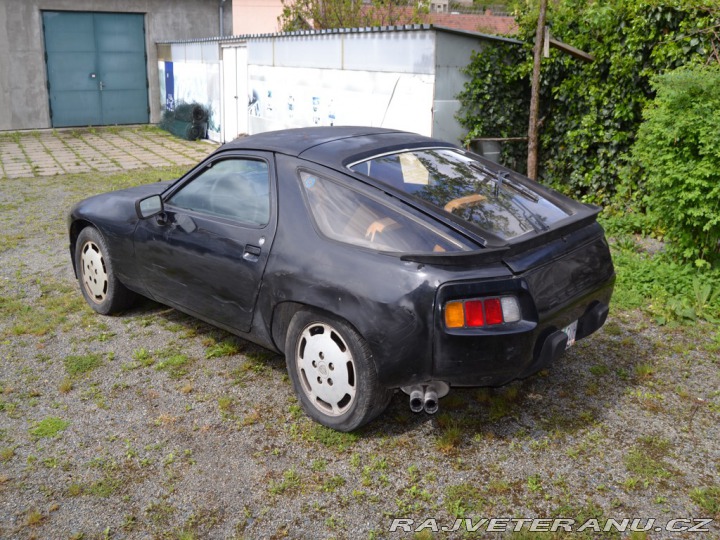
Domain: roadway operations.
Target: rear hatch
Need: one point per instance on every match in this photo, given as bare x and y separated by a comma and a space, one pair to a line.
552, 241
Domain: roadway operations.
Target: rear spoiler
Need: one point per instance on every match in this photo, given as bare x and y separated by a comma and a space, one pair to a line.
538, 249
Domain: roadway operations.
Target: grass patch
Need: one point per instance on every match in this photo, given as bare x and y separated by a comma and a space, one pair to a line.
289, 484
34, 518
330, 438
645, 460
80, 365
451, 436
224, 348
55, 309
105, 487
333, 483
176, 365
463, 499
49, 427
225, 403
707, 498
6, 454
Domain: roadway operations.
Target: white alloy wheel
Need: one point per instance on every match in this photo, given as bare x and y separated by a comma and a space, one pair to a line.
93, 271
326, 369
99, 284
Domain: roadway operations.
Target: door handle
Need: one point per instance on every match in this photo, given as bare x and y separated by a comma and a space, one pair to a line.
102, 86
252, 253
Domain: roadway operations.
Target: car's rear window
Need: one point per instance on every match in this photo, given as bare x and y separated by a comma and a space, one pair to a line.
495, 201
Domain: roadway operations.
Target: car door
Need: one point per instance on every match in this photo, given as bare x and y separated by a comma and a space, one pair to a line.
206, 252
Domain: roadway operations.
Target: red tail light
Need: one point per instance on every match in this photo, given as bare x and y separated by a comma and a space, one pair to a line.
480, 312
493, 311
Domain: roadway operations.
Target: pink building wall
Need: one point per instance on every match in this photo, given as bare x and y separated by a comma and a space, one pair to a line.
256, 16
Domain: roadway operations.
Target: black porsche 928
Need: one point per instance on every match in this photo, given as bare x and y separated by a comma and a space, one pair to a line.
372, 259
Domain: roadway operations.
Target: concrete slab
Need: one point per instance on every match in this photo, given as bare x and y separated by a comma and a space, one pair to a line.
77, 150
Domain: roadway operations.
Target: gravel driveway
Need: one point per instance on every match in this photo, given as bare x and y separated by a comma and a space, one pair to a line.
153, 425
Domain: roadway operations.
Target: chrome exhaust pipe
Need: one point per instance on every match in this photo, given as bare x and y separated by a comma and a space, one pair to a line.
430, 400
416, 399
426, 396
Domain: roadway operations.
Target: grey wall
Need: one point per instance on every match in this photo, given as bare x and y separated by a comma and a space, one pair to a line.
452, 55
24, 101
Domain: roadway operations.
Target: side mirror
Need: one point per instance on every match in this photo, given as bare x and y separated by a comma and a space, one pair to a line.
149, 206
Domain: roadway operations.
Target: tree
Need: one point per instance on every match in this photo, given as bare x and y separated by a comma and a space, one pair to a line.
320, 14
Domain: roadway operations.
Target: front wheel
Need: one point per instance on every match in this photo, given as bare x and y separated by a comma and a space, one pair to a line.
332, 371
99, 285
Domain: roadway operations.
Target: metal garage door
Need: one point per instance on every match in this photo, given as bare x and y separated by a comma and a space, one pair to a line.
96, 67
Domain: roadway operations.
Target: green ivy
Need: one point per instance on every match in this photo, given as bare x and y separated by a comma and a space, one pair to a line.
489, 112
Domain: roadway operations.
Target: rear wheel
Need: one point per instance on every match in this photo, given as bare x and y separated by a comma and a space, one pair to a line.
100, 287
332, 372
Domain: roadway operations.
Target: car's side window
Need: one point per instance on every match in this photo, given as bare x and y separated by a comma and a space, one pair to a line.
234, 188
347, 215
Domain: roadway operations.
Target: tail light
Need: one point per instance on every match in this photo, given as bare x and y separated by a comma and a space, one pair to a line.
480, 312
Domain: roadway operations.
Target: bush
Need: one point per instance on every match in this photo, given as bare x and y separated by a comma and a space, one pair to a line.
678, 147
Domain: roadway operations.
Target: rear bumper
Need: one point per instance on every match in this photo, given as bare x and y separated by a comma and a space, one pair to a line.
493, 357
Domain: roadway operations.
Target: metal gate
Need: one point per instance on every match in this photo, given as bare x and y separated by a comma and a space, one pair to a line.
96, 67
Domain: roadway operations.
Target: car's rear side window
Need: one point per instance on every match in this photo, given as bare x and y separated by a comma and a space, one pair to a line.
496, 201
349, 216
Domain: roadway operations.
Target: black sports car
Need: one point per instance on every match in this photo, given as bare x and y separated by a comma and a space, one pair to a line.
373, 259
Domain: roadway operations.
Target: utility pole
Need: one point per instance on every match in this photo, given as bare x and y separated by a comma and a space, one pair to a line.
532, 162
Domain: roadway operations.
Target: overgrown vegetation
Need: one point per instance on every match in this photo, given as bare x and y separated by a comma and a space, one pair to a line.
678, 147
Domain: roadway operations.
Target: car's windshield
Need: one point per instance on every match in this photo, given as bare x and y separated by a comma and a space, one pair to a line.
495, 201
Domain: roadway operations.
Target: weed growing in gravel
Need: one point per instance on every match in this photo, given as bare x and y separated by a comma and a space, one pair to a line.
33, 518
142, 358
160, 513
413, 501
333, 483
49, 427
53, 310
175, 364
330, 438
707, 498
463, 499
225, 403
451, 435
7, 453
290, 483
645, 460
105, 487
80, 365
643, 371
224, 348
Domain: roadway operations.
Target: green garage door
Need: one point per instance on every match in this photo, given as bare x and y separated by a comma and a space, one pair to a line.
96, 68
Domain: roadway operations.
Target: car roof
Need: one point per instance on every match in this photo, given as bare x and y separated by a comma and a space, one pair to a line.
334, 146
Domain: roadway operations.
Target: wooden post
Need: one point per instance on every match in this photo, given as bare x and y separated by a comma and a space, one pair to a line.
532, 162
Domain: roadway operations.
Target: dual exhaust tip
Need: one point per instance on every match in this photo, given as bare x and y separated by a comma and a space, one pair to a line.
426, 397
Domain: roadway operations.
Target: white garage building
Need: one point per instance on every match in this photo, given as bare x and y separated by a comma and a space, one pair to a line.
397, 77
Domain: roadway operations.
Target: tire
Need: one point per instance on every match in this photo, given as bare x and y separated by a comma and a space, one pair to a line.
98, 282
332, 372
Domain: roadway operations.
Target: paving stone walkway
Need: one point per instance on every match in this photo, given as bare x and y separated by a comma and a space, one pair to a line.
53, 152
